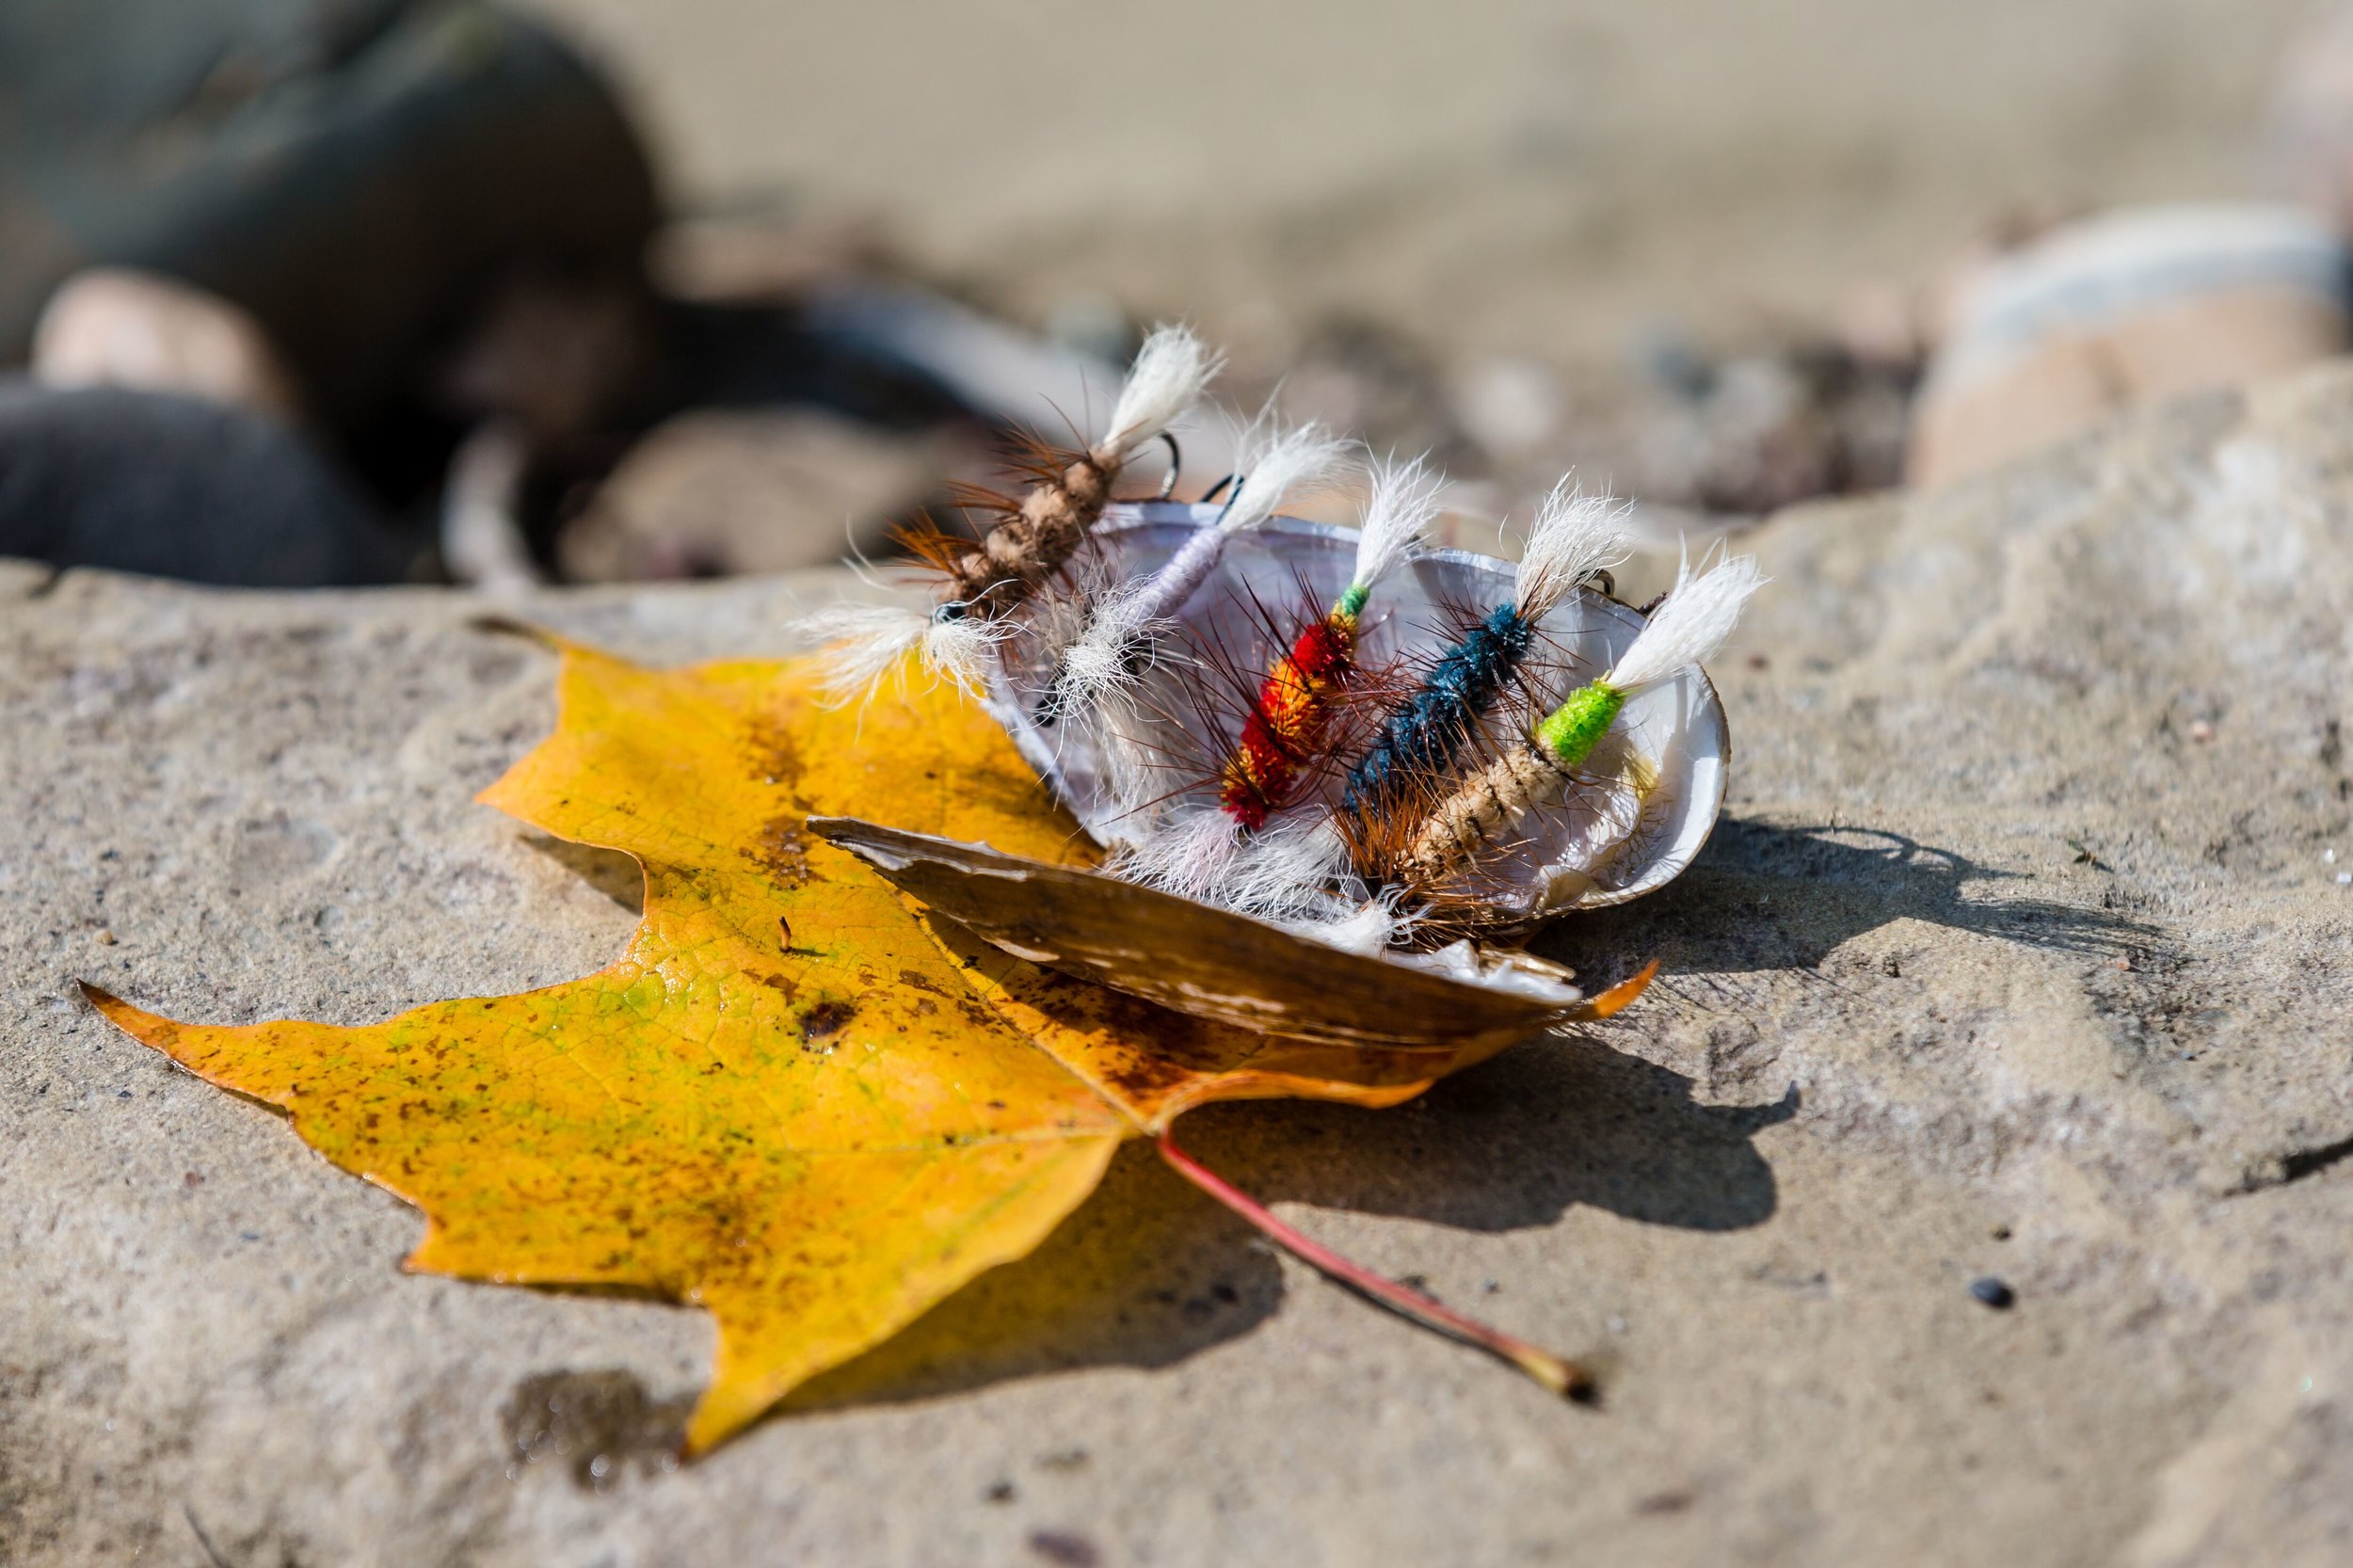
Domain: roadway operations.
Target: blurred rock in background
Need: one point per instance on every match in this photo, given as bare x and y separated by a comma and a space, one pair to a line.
121, 326
353, 173
2311, 151
2121, 310
337, 186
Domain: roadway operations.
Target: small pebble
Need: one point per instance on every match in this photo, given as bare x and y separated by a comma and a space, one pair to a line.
2345, 879
1993, 1292
2200, 731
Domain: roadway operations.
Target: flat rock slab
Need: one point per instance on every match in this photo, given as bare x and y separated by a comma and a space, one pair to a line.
2020, 956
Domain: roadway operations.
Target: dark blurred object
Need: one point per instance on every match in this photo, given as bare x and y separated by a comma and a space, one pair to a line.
417, 231
558, 354
2107, 312
357, 174
176, 486
1769, 426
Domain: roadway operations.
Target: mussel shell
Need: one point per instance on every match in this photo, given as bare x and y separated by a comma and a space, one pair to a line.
1667, 760
1210, 962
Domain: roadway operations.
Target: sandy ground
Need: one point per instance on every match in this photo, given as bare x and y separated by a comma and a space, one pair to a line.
1499, 175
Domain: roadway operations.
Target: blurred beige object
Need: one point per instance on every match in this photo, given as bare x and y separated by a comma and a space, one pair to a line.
745, 261
2311, 118
724, 493
117, 327
2116, 310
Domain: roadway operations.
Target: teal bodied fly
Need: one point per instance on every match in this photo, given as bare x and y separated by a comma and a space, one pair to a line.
1482, 811
1573, 539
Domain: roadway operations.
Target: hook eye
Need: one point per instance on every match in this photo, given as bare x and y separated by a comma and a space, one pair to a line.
1176, 466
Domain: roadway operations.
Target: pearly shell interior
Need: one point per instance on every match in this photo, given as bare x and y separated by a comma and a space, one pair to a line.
1657, 786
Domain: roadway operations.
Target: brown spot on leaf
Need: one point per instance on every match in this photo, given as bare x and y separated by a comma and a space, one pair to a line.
827, 1018
771, 753
781, 850
1138, 1076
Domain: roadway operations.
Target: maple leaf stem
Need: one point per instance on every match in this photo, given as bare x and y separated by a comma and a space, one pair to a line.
1558, 1374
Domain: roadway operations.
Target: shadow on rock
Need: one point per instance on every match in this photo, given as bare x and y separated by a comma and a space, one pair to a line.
1150, 1272
1766, 896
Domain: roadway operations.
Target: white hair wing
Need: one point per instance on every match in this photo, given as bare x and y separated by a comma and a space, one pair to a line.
1575, 535
1284, 870
1691, 626
957, 649
862, 644
1274, 467
1405, 503
1289, 461
1366, 931
1172, 369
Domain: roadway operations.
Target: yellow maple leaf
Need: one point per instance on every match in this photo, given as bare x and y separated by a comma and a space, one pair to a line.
795, 1099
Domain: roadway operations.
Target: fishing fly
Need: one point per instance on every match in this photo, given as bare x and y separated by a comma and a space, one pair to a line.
1575, 537
1112, 651
1290, 720
1035, 539
1688, 628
